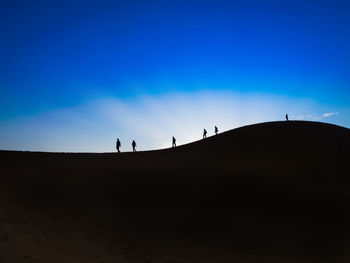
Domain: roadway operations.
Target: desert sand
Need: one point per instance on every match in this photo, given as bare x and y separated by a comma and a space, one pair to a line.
270, 192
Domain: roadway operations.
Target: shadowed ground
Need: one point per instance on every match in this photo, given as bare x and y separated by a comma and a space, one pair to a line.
271, 192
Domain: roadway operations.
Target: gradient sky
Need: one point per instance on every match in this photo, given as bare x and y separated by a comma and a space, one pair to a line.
75, 75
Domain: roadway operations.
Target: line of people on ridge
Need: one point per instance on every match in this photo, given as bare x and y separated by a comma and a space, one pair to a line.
133, 144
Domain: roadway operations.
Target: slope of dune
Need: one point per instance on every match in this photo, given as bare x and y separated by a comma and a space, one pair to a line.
270, 192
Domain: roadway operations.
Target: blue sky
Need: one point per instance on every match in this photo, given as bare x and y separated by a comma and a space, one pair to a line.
75, 75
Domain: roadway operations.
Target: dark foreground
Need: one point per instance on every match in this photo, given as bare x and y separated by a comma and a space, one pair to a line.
273, 192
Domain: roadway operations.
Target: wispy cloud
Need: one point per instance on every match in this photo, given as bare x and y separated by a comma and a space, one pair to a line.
330, 114
314, 117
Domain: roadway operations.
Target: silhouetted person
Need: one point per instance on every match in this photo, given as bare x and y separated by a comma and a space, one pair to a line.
133, 146
216, 130
204, 133
287, 117
118, 144
174, 142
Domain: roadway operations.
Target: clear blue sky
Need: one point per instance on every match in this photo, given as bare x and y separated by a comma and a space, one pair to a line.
63, 61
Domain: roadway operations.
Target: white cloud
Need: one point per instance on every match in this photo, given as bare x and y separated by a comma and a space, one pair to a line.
314, 117
330, 114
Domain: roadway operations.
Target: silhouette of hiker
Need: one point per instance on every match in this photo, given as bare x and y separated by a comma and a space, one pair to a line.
204, 133
287, 117
133, 146
174, 142
216, 130
118, 144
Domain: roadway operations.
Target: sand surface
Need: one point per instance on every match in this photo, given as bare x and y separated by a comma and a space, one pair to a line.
272, 192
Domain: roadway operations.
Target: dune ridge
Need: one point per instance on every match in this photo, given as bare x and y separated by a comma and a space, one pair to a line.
270, 192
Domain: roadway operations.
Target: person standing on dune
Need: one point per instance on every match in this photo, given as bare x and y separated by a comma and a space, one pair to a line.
204, 133
174, 142
118, 144
133, 146
216, 130
287, 119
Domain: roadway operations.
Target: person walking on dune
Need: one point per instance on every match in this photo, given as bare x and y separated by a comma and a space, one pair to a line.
133, 146
204, 133
216, 130
118, 144
174, 142
287, 119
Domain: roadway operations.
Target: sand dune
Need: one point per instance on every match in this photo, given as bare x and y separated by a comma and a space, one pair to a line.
270, 192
